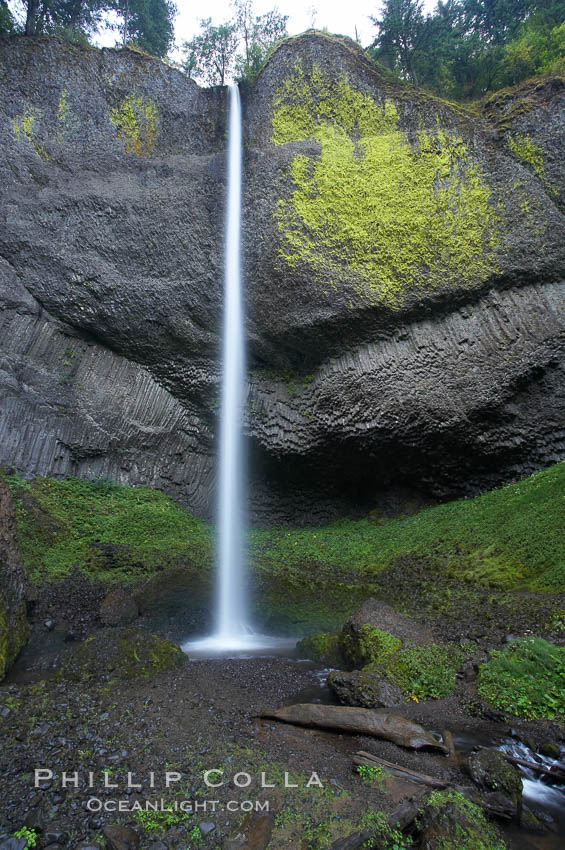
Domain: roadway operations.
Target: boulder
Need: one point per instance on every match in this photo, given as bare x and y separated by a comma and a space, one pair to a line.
118, 608
14, 628
121, 653
324, 647
376, 631
365, 689
499, 782
448, 821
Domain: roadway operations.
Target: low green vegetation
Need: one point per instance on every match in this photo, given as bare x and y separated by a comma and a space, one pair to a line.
371, 773
424, 672
30, 836
506, 539
527, 678
67, 523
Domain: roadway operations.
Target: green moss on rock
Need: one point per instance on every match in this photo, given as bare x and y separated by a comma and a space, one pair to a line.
401, 216
368, 645
451, 822
122, 653
323, 647
137, 124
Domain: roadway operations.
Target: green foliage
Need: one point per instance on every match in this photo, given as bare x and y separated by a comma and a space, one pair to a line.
30, 836
424, 672
527, 678
147, 23
371, 774
210, 54
463, 824
260, 34
398, 217
468, 47
64, 518
514, 533
383, 835
137, 124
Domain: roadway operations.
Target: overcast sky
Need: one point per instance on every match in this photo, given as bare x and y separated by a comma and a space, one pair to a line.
339, 17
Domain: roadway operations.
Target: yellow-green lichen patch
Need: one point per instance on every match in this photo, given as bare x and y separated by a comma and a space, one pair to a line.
398, 216
24, 129
137, 124
528, 152
63, 108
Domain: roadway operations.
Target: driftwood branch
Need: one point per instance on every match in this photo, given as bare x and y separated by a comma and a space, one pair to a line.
368, 758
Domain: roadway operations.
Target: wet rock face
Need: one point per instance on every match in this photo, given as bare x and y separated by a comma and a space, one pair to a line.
412, 344
14, 627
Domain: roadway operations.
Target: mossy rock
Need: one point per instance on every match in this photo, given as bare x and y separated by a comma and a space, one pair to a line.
368, 645
450, 822
323, 647
496, 778
376, 631
122, 653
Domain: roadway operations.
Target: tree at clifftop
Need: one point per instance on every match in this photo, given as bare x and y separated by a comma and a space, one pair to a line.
147, 23
401, 33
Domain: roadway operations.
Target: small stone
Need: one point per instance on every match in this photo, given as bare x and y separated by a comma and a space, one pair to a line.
206, 827
49, 625
13, 844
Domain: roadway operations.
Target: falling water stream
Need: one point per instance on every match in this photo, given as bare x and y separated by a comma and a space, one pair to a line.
233, 630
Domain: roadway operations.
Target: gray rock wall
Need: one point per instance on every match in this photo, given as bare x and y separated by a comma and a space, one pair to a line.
111, 242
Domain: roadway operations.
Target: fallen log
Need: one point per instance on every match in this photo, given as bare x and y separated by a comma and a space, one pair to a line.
359, 721
368, 758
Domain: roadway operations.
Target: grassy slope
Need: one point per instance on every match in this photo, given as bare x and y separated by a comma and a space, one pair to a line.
508, 538
511, 538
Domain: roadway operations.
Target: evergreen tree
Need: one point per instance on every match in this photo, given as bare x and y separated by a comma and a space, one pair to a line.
401, 36
148, 23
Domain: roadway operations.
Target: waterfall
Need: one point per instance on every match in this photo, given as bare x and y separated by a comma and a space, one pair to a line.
231, 605
233, 632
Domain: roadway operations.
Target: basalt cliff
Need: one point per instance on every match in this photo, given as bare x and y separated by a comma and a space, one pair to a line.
404, 265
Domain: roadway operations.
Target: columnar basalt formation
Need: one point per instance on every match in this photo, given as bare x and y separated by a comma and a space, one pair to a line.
404, 266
